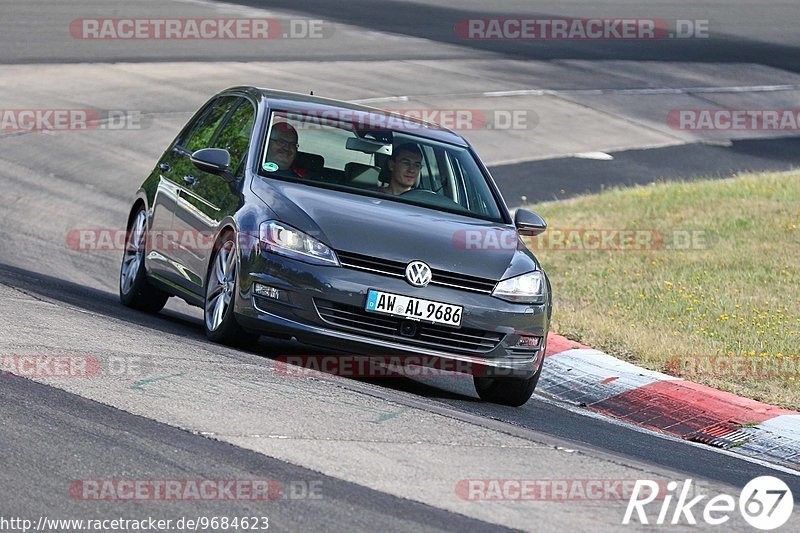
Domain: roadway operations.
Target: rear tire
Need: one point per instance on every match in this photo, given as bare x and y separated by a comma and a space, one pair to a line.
135, 291
219, 320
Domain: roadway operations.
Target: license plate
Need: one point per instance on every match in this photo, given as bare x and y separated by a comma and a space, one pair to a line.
414, 308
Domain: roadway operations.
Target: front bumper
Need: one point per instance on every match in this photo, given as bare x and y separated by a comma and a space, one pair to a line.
306, 289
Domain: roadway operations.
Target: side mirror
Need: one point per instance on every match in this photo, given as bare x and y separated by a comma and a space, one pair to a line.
213, 160
529, 223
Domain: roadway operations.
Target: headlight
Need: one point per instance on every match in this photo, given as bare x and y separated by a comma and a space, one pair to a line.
282, 239
527, 288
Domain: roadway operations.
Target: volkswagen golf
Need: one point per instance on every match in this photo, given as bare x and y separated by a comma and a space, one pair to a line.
345, 227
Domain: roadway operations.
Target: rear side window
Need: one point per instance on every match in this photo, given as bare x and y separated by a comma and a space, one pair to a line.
202, 133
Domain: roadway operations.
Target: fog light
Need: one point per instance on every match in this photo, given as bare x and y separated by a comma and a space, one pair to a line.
267, 291
527, 340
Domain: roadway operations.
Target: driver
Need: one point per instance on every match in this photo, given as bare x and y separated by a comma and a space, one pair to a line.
405, 165
282, 150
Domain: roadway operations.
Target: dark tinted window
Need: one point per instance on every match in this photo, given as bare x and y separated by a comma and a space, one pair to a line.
201, 135
235, 135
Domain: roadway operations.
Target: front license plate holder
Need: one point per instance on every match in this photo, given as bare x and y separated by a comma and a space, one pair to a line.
413, 308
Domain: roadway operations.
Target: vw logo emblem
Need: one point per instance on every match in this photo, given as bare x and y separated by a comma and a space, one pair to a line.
418, 273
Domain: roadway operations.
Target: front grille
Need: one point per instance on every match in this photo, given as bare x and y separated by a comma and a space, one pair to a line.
464, 340
397, 269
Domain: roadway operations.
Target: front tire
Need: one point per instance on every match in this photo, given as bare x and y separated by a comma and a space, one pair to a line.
221, 286
513, 392
134, 289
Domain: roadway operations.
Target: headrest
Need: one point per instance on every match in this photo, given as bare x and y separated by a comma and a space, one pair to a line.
361, 174
312, 163
382, 161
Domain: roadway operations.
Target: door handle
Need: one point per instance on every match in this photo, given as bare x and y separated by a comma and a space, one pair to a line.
189, 179
165, 166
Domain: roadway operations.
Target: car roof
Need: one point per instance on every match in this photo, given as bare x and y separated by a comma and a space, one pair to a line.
318, 106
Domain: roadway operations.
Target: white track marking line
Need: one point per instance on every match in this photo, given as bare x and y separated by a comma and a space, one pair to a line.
381, 99
600, 156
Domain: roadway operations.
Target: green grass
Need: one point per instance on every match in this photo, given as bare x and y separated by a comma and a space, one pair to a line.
724, 311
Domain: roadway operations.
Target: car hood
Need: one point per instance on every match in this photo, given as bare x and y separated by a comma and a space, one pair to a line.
396, 231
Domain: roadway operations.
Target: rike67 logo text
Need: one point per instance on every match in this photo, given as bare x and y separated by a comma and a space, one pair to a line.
765, 503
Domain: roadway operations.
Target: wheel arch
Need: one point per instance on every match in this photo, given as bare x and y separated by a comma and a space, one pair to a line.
139, 203
226, 227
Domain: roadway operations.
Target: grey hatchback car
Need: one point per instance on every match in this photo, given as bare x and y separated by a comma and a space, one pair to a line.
345, 227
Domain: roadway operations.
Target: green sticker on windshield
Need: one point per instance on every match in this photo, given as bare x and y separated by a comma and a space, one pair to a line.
269, 166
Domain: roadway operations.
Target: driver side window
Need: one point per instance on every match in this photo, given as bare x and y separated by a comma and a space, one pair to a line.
201, 135
235, 134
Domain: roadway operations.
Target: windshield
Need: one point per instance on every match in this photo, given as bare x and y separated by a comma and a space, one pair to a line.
397, 165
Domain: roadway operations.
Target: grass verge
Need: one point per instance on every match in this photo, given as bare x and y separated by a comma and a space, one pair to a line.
700, 280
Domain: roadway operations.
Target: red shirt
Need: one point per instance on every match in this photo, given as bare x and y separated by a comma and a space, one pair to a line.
300, 172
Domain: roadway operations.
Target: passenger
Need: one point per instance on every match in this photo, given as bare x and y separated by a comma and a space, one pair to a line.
282, 150
404, 166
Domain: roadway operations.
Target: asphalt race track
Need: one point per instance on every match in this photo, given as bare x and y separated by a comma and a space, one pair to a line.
349, 454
